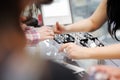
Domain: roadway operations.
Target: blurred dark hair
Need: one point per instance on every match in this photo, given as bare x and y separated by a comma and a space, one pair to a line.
113, 13
31, 22
39, 2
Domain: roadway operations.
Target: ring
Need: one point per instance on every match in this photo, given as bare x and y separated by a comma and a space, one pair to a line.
64, 51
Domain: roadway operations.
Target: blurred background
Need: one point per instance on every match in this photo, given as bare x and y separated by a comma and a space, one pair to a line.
83, 9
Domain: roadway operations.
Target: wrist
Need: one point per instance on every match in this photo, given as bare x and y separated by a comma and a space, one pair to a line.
67, 28
89, 53
85, 54
95, 53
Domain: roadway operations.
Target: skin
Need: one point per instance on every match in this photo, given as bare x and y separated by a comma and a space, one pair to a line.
112, 72
74, 51
94, 22
45, 32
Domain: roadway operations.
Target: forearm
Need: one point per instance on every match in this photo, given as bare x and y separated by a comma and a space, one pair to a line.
95, 21
108, 52
81, 26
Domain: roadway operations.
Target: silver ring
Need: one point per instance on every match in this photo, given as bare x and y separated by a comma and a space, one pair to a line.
64, 51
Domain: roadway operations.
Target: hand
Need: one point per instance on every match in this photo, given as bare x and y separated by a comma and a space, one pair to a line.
74, 51
113, 72
23, 26
45, 33
59, 28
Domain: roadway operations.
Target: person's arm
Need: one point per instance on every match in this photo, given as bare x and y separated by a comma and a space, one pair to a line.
35, 35
74, 51
32, 36
90, 24
107, 52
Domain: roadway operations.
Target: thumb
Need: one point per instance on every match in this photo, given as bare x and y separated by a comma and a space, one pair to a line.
57, 28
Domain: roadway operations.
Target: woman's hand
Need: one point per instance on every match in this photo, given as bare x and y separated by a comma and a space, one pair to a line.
45, 33
112, 72
74, 51
59, 29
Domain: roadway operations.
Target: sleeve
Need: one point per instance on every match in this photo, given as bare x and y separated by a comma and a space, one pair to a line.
32, 36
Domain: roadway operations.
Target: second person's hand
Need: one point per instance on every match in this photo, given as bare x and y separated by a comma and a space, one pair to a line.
74, 51
58, 28
45, 33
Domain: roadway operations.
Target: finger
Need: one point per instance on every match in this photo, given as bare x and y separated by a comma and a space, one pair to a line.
56, 31
57, 25
68, 53
50, 28
64, 46
70, 56
58, 28
46, 28
51, 33
68, 48
48, 37
23, 26
48, 34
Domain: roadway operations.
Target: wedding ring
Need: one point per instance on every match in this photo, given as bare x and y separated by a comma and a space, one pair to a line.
64, 51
